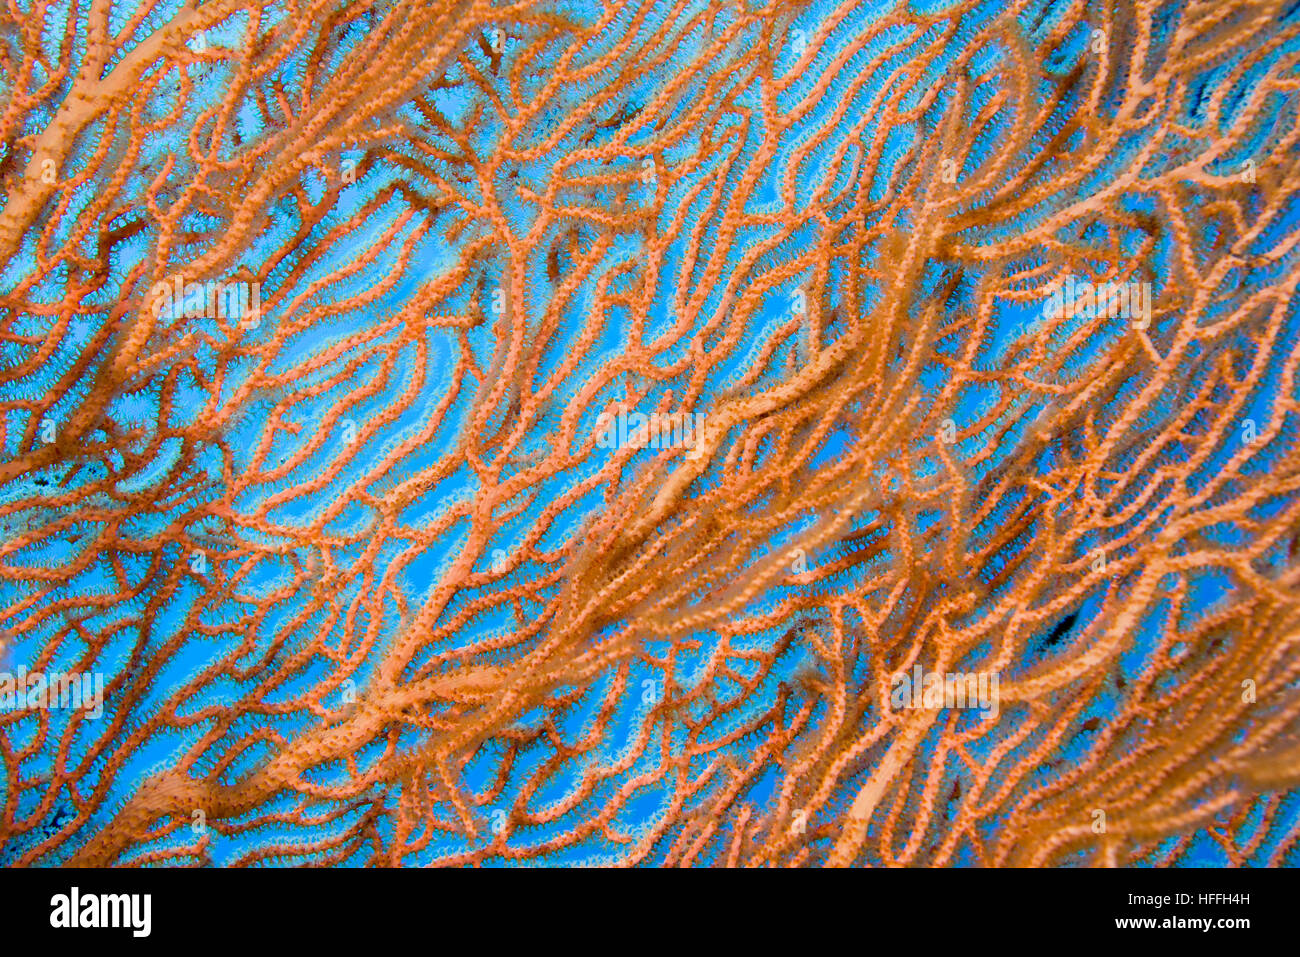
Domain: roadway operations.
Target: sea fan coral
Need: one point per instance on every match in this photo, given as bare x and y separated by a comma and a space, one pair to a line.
649, 432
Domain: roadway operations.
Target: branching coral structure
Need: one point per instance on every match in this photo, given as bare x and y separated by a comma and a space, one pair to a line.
650, 432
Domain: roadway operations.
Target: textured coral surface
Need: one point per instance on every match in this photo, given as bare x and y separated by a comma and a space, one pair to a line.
559, 432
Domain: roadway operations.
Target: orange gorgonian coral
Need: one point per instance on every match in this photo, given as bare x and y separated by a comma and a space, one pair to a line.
673, 433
